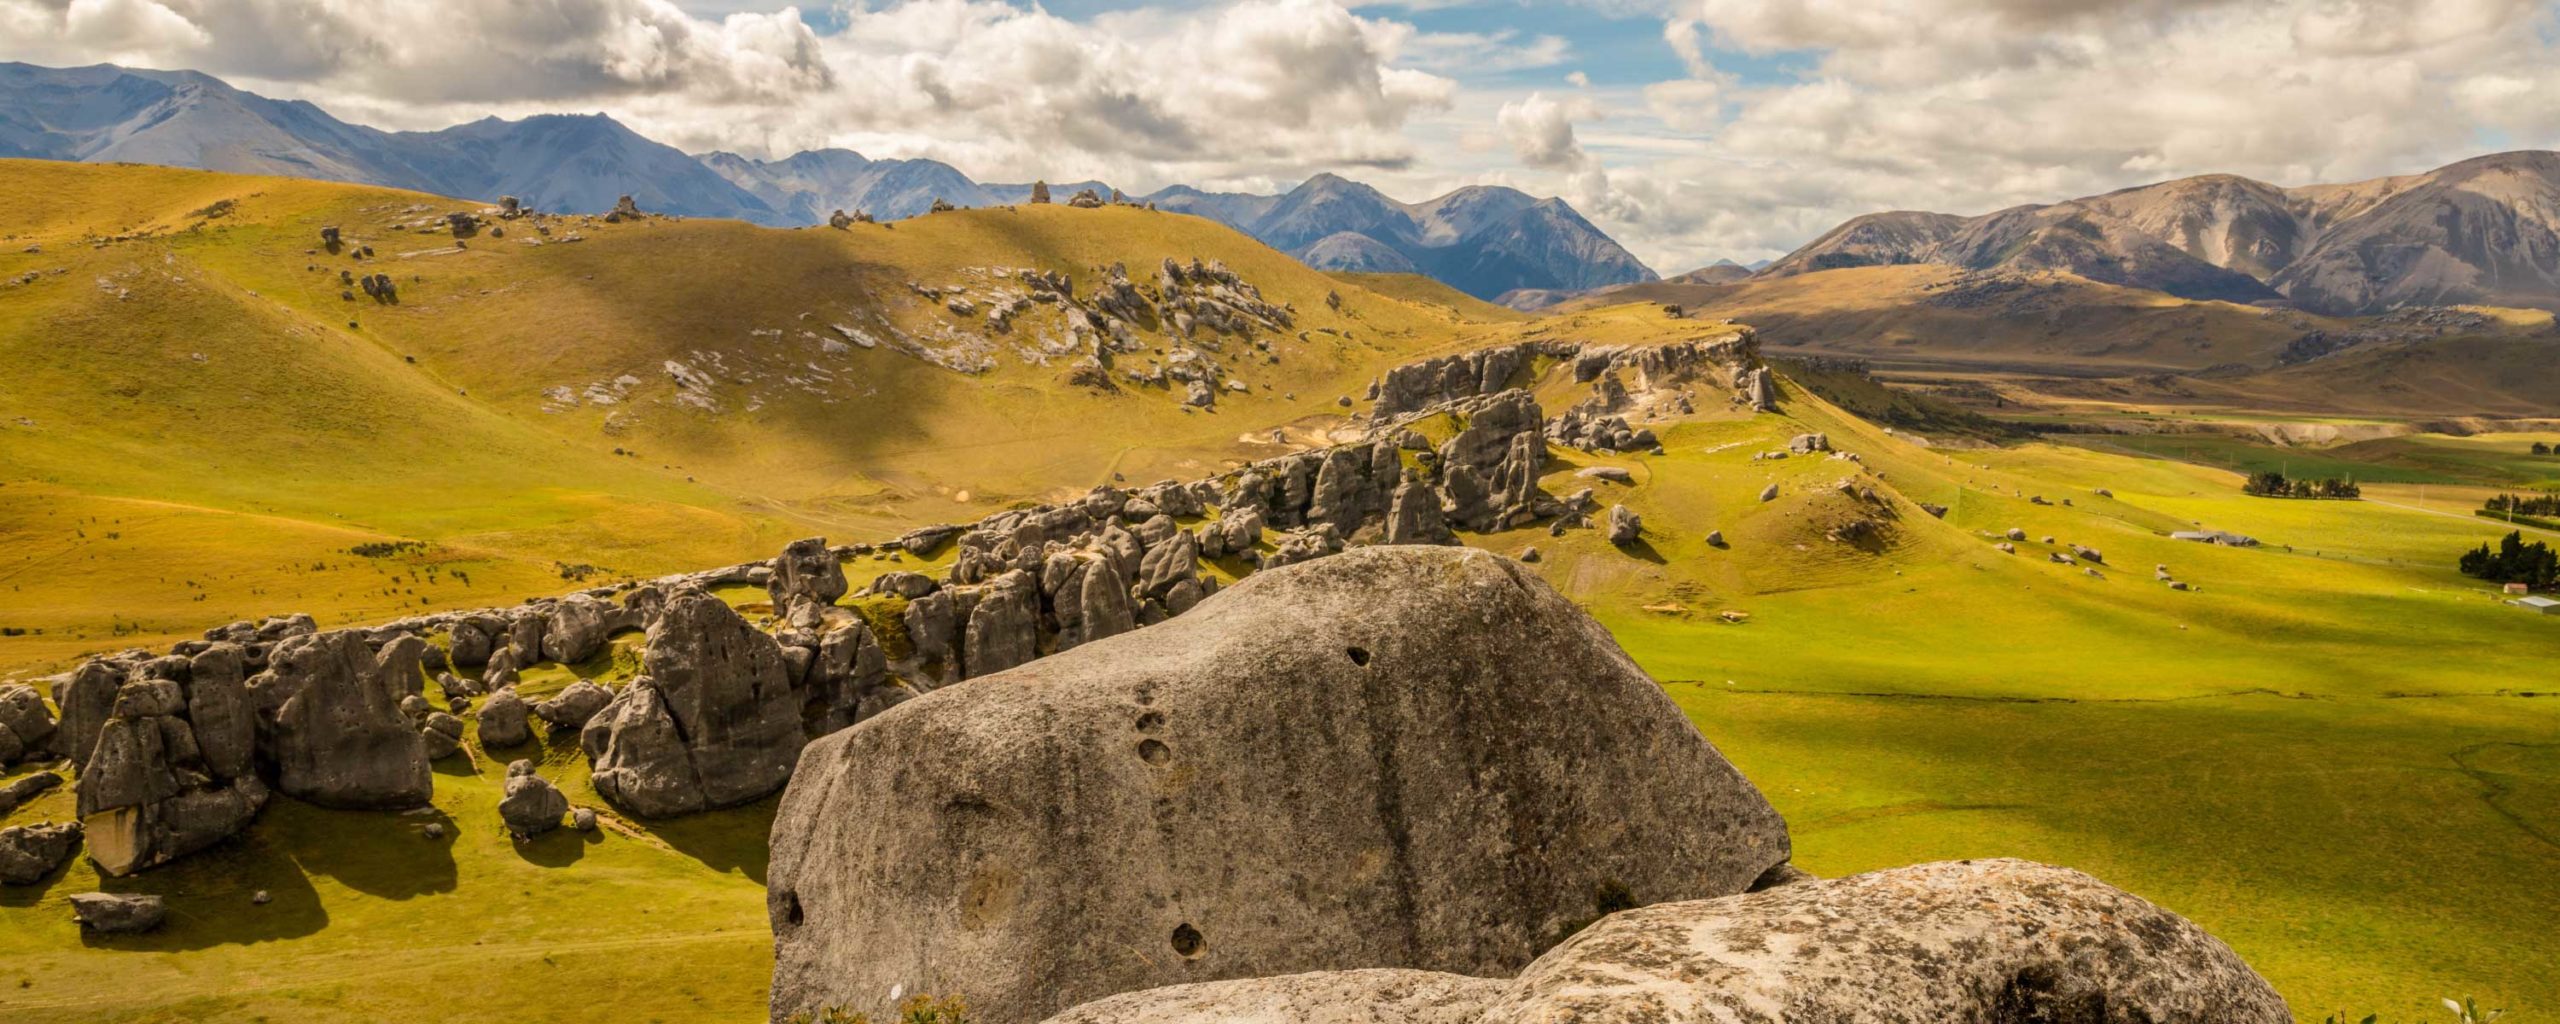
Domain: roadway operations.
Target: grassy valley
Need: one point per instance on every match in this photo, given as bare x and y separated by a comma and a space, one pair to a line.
2333, 750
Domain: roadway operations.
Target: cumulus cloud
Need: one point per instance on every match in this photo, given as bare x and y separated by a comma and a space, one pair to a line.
1540, 130
1968, 106
1247, 89
1844, 106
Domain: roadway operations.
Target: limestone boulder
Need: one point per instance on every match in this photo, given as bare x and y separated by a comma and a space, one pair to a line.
577, 627
26, 724
806, 575
118, 913
1004, 626
1395, 757
30, 853
712, 721
18, 791
1376, 996
331, 723
574, 706
532, 805
1986, 940
503, 721
87, 697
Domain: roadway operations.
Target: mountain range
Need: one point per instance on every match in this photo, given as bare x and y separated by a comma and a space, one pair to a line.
1485, 241
2483, 231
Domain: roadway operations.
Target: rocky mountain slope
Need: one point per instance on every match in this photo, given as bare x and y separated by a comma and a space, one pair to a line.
2484, 231
1485, 241
574, 163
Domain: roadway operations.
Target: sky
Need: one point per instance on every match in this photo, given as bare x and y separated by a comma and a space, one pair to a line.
1690, 130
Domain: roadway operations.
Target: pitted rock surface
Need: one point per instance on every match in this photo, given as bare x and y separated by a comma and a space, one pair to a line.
1997, 941
1376, 996
1411, 757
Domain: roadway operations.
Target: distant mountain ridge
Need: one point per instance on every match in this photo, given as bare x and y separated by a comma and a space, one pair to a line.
1484, 241
2483, 231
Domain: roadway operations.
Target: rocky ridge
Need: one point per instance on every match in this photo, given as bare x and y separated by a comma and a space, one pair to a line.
177, 751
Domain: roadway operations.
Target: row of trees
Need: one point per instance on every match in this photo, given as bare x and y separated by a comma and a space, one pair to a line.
2514, 561
2275, 485
2544, 504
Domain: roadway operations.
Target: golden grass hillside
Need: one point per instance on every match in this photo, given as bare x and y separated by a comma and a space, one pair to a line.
203, 415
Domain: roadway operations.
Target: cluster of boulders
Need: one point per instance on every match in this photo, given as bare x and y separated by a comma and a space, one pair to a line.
1397, 785
175, 752
1662, 376
168, 769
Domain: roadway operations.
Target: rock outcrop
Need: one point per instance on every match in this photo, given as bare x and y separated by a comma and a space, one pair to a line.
1990, 940
711, 722
330, 721
532, 805
170, 772
26, 725
1394, 757
25, 788
30, 853
118, 913
1374, 996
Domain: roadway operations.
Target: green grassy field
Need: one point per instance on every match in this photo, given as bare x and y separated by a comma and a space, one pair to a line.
2336, 753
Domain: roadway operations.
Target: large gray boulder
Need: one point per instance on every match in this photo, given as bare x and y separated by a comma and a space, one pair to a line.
25, 788
577, 628
574, 706
503, 721
1004, 627
532, 805
86, 698
1394, 757
806, 576
333, 727
147, 795
26, 724
1987, 940
1375, 996
712, 721
29, 853
117, 913
218, 711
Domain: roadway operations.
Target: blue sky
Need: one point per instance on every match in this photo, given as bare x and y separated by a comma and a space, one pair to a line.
1689, 129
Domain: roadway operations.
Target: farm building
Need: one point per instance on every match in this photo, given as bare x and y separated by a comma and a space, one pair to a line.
2518, 590
2543, 605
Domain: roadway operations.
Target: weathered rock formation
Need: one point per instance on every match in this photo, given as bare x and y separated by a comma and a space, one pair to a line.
171, 771
1394, 757
711, 722
26, 725
330, 721
1373, 996
117, 913
532, 805
19, 791
1991, 940
30, 853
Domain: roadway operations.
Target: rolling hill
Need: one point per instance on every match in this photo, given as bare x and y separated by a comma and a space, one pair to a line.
549, 392
2484, 231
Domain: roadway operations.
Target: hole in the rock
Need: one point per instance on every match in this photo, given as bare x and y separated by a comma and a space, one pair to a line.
1154, 751
791, 908
1186, 941
1151, 721
1359, 655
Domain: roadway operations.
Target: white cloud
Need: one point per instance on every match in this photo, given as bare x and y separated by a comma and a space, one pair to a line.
1540, 130
1848, 106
